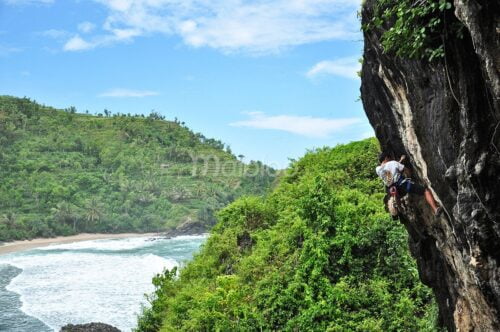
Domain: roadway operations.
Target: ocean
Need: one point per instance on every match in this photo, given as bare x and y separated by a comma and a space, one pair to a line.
91, 281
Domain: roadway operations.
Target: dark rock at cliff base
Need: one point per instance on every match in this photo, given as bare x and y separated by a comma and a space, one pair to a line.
445, 115
90, 327
188, 227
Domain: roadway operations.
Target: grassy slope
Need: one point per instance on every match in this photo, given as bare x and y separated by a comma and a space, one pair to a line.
318, 253
62, 172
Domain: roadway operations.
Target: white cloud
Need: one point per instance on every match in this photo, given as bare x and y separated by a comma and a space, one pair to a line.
251, 26
86, 27
29, 2
344, 67
127, 93
7, 50
54, 33
76, 43
301, 125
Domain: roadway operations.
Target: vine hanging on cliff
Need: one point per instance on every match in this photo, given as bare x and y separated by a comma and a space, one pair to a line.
413, 28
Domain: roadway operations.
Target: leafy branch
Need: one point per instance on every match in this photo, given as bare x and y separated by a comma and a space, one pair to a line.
413, 29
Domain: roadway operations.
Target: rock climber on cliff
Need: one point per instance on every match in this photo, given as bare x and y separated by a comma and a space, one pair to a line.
397, 184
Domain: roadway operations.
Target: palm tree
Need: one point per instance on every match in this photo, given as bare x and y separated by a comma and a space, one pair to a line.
9, 219
125, 187
152, 186
107, 177
63, 212
126, 206
241, 166
94, 211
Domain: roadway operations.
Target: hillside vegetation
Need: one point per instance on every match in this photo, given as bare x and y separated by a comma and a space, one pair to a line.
62, 172
319, 253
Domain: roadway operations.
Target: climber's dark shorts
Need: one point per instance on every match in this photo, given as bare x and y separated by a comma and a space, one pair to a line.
409, 187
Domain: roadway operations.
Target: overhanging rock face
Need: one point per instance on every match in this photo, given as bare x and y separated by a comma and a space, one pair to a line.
445, 116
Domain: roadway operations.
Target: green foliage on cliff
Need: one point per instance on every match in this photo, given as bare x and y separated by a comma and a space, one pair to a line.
319, 253
414, 29
62, 172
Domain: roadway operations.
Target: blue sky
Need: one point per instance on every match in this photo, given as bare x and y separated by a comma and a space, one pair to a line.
270, 78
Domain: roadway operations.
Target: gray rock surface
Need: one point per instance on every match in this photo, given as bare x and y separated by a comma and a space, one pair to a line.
445, 116
89, 327
188, 227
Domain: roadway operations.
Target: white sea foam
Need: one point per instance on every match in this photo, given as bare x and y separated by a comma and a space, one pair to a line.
74, 286
190, 237
105, 244
119, 244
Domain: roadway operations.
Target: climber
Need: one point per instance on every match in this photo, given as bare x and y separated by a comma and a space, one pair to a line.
393, 173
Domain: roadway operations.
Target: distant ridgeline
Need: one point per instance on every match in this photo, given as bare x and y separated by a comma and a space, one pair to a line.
319, 253
62, 172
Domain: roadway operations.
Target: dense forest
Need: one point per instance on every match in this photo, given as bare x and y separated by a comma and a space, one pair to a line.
318, 253
63, 172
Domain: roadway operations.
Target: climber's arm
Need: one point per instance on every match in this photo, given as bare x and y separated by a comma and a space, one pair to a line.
406, 171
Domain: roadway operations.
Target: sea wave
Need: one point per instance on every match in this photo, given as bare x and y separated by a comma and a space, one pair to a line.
100, 280
104, 244
119, 244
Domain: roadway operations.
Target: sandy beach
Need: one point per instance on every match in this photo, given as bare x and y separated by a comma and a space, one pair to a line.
42, 242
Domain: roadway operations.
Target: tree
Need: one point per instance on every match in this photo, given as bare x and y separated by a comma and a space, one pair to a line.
155, 115
9, 219
64, 213
67, 172
94, 211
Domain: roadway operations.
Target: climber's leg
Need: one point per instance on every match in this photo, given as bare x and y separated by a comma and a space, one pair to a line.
415, 188
431, 201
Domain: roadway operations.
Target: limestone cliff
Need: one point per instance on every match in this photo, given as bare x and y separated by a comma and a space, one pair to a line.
445, 116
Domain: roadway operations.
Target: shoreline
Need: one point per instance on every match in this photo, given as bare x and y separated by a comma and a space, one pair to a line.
17, 246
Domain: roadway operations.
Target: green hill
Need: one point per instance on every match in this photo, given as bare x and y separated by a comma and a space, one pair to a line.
63, 172
319, 253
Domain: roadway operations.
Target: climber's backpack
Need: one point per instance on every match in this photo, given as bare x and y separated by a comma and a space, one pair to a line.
393, 202
390, 179
395, 191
